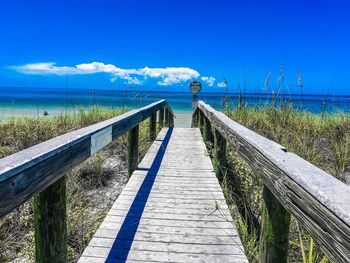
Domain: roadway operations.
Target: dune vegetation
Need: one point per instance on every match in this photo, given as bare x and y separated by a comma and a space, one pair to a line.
322, 139
92, 186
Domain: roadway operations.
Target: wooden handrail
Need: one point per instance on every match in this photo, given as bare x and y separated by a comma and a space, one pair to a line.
319, 202
40, 170
32, 170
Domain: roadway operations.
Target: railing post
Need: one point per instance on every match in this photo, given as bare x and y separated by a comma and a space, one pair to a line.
161, 118
133, 149
171, 119
219, 155
50, 222
166, 113
275, 230
201, 120
153, 126
195, 118
207, 131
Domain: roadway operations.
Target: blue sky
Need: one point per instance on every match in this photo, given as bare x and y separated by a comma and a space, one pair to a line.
164, 44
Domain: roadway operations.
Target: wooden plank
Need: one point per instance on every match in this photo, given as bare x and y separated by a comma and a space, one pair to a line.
196, 231
168, 247
170, 211
320, 202
176, 201
160, 256
172, 222
170, 238
30, 171
178, 195
125, 205
174, 213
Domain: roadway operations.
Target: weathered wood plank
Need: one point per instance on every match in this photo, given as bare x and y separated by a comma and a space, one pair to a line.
125, 205
168, 247
172, 238
196, 231
161, 256
320, 202
175, 202
172, 222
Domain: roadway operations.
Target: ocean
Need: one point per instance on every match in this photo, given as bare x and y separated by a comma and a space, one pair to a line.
18, 101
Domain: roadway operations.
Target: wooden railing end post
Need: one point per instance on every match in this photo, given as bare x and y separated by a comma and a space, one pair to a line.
219, 155
153, 127
50, 223
274, 235
133, 149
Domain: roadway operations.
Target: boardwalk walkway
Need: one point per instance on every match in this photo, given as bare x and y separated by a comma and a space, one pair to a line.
171, 210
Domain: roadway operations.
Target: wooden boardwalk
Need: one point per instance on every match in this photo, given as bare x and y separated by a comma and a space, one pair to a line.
171, 210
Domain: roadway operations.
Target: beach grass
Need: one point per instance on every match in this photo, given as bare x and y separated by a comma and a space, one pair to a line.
92, 186
323, 140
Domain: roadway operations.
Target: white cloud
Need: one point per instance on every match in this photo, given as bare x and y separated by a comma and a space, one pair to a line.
45, 68
167, 76
209, 80
222, 84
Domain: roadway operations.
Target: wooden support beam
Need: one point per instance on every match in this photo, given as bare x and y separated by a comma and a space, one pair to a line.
219, 155
207, 131
195, 118
161, 119
275, 230
50, 223
133, 149
171, 119
153, 126
166, 113
201, 121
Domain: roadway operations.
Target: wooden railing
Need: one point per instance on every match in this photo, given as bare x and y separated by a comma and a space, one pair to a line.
39, 171
318, 201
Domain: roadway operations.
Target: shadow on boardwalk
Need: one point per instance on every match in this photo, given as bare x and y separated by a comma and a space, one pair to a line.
122, 244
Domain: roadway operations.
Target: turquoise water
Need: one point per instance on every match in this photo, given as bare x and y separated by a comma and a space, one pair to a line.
31, 101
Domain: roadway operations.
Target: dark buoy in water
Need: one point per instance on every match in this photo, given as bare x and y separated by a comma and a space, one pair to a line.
195, 87
46, 113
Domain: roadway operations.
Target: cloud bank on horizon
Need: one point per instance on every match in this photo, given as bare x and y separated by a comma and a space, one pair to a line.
166, 76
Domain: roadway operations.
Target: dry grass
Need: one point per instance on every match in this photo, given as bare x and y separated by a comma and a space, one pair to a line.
323, 140
92, 186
